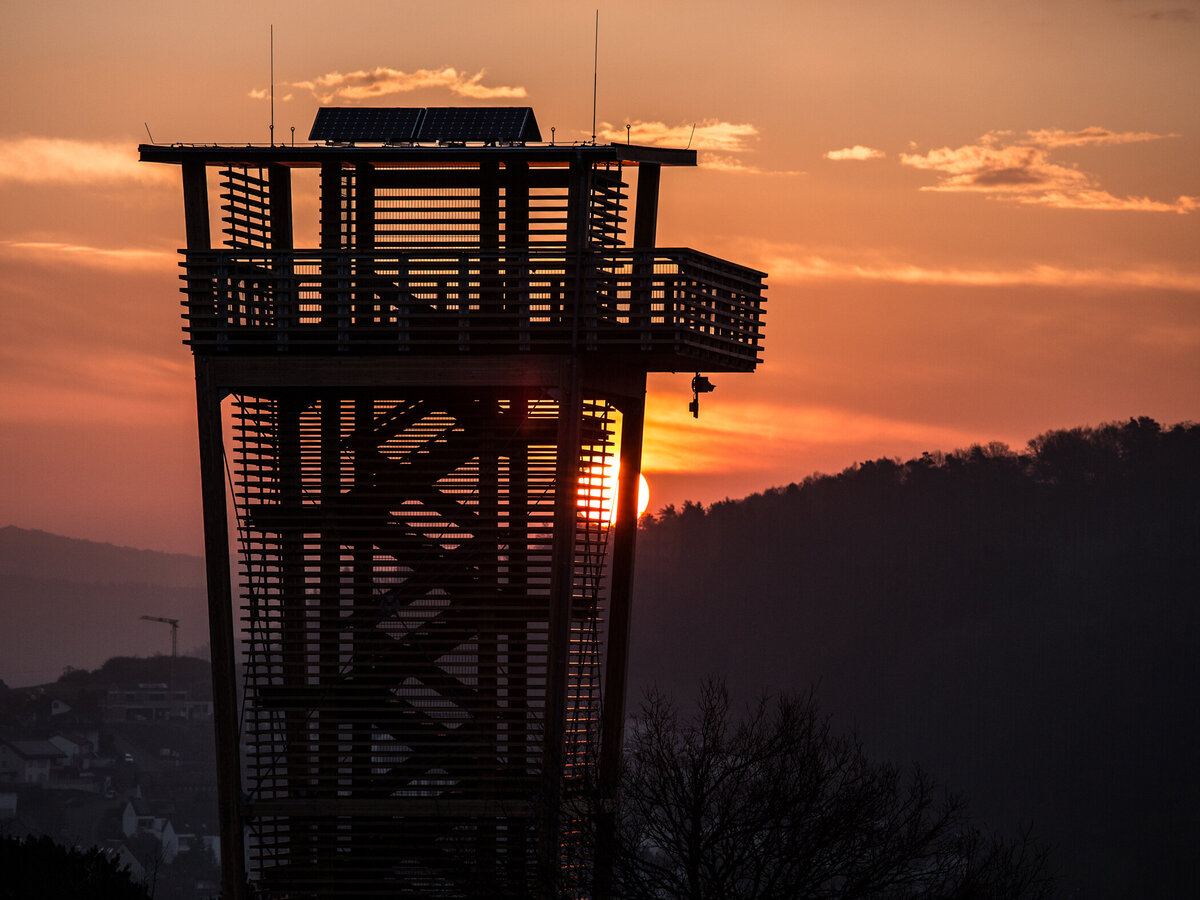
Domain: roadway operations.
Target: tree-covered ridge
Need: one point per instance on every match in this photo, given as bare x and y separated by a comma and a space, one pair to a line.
1023, 624
1139, 457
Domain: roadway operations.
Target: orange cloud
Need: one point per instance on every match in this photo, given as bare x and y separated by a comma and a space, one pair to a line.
1020, 170
795, 265
39, 160
718, 163
1057, 137
382, 81
113, 388
987, 169
79, 254
857, 152
708, 134
720, 139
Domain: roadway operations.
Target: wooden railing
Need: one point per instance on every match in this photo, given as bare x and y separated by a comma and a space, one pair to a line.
676, 306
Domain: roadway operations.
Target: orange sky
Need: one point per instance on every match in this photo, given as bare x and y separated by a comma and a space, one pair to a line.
980, 220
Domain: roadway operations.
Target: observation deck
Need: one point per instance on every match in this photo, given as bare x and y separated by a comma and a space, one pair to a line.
460, 247
669, 309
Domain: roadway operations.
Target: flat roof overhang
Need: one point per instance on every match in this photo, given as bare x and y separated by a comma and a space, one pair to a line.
313, 155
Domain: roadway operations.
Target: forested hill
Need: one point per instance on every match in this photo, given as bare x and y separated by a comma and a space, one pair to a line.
69, 602
1024, 625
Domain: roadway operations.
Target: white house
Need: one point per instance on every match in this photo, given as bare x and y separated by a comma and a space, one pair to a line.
28, 762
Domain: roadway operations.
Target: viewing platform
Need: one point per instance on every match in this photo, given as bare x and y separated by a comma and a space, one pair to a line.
674, 309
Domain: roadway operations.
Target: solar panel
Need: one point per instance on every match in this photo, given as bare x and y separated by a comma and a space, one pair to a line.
487, 124
350, 124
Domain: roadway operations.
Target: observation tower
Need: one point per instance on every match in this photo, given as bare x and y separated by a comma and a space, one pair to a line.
419, 676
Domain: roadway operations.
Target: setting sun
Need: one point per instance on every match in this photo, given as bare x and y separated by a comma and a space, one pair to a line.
598, 492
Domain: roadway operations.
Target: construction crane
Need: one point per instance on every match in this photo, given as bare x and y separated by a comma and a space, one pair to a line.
174, 623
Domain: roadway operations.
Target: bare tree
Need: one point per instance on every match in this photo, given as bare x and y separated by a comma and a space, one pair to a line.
774, 805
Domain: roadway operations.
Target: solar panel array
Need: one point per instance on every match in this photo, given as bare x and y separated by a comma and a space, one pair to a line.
384, 125
474, 123
444, 124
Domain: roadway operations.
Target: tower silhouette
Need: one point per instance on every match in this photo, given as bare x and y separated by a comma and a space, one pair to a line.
424, 414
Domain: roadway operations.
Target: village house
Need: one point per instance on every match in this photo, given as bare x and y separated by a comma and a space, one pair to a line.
28, 762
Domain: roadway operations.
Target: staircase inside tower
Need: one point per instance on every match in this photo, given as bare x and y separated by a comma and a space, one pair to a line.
397, 557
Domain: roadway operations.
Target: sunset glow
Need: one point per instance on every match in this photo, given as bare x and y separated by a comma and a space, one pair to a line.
598, 492
979, 222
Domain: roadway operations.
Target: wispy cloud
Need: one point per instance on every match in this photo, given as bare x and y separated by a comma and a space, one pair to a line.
40, 160
1057, 137
95, 386
719, 141
1019, 169
383, 81
264, 93
795, 265
708, 134
79, 254
718, 163
857, 152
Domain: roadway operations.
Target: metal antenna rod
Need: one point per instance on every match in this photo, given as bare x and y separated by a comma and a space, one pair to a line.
272, 84
595, 66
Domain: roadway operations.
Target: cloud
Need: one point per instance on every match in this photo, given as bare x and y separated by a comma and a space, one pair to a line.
383, 81
1020, 170
106, 257
794, 265
1057, 137
857, 152
39, 160
717, 163
707, 134
718, 141
97, 386
1097, 199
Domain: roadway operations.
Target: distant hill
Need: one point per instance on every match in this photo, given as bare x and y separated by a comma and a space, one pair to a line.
39, 554
71, 602
1023, 625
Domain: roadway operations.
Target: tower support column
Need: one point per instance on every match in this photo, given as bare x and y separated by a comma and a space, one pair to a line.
221, 636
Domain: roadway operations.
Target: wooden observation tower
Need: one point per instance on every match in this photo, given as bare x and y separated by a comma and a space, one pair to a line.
420, 690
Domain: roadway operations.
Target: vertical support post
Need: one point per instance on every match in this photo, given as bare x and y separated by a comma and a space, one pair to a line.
645, 213
516, 246
195, 206
562, 577
489, 322
329, 602
522, 763
279, 181
293, 625
334, 301
645, 235
616, 666
487, 512
221, 636
279, 239
364, 242
579, 196
363, 604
